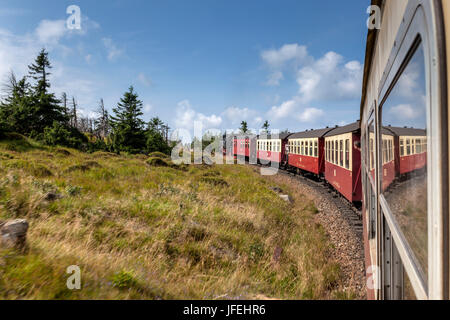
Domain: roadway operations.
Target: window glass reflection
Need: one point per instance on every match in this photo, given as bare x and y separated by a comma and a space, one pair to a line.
404, 174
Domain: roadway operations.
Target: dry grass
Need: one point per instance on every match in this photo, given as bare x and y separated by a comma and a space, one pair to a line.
139, 231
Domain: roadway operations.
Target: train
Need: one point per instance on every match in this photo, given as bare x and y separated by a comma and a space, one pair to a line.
393, 163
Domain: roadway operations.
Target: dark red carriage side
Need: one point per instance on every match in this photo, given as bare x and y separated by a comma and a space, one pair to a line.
343, 161
301, 155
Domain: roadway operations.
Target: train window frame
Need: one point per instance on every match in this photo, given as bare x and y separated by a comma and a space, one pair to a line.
347, 154
419, 24
316, 148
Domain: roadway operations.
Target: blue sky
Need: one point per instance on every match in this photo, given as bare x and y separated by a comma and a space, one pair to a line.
296, 63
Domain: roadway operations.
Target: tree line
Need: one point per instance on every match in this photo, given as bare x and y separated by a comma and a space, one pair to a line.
30, 109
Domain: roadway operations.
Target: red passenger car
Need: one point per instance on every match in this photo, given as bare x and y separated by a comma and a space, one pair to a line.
388, 156
411, 153
343, 161
272, 148
245, 146
306, 150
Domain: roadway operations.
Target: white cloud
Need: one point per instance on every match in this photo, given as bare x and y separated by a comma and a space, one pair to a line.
51, 31
311, 115
186, 116
328, 78
406, 111
284, 110
112, 50
148, 107
408, 84
275, 78
144, 80
278, 60
288, 52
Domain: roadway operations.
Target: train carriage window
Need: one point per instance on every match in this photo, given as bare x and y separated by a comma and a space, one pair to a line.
372, 155
406, 109
310, 148
341, 153
347, 154
391, 151
331, 151
328, 151
316, 149
336, 152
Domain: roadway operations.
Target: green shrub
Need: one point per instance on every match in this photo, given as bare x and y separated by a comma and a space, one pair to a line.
83, 167
215, 181
158, 154
157, 162
63, 152
124, 280
73, 190
34, 169
41, 171
62, 135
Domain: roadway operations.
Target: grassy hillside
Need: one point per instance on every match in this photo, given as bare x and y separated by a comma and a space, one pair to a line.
141, 230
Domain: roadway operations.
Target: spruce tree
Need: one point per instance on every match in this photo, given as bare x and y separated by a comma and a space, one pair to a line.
156, 140
47, 106
127, 125
266, 127
17, 111
244, 127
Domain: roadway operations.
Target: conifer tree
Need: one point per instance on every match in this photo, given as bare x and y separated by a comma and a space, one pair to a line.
127, 125
17, 111
266, 127
244, 127
47, 106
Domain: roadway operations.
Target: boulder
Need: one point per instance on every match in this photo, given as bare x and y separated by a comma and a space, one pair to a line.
13, 234
286, 198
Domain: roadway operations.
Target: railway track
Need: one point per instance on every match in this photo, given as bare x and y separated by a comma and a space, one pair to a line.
350, 213
342, 222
